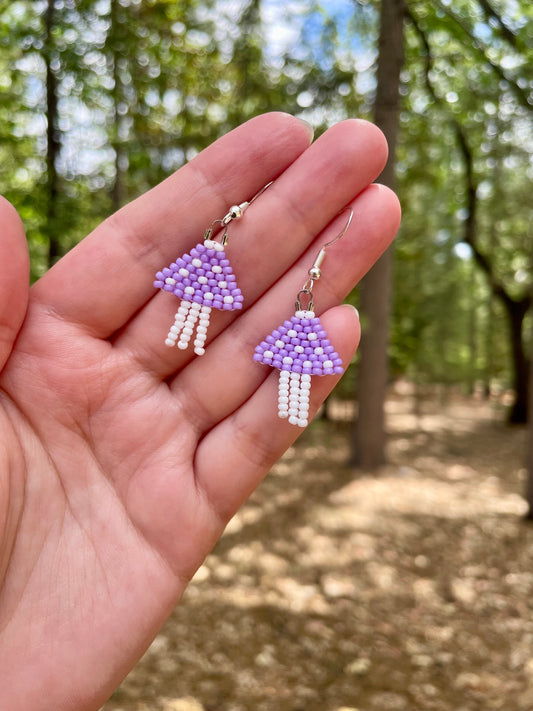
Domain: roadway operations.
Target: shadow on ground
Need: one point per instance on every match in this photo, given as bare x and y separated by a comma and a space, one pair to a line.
333, 589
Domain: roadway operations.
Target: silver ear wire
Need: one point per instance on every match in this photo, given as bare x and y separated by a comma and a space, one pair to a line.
235, 212
314, 272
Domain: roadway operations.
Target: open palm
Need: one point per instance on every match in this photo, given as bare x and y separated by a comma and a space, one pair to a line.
121, 460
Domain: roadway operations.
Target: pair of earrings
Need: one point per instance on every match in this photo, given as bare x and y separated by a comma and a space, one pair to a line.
299, 348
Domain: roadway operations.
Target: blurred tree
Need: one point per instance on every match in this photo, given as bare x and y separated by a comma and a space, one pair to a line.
529, 452
135, 88
370, 438
503, 257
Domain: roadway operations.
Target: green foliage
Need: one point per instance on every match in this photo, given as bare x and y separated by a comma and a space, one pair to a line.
143, 85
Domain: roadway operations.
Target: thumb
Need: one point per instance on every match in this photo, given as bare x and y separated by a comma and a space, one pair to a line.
14, 277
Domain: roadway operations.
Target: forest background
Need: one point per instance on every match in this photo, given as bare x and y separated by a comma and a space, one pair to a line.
102, 99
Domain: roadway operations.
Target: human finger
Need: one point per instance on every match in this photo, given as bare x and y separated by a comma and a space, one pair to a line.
103, 281
272, 234
14, 277
209, 397
233, 458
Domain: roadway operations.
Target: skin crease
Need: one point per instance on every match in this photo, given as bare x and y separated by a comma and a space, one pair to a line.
121, 460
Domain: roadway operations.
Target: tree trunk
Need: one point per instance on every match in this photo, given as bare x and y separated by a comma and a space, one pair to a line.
118, 189
52, 140
529, 453
516, 312
370, 435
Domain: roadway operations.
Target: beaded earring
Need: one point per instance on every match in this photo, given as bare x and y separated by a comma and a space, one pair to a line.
204, 280
300, 348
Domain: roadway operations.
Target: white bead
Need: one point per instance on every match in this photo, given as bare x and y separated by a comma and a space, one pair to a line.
328, 364
196, 263
211, 244
283, 399
184, 307
305, 314
308, 364
182, 345
184, 272
287, 360
202, 280
303, 408
199, 351
293, 420
293, 410
169, 342
283, 414
189, 290
268, 354
201, 328
311, 336
228, 299
295, 376
279, 344
216, 269
195, 306
222, 284
302, 422
188, 331
283, 392
208, 296
306, 378
299, 349
174, 329
170, 280
319, 350
291, 333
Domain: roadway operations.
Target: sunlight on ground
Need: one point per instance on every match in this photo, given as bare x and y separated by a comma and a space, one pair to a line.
337, 590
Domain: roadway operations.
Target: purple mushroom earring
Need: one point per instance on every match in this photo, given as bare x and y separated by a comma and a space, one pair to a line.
300, 348
204, 280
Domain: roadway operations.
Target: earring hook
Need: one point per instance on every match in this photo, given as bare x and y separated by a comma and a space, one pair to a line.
314, 272
234, 213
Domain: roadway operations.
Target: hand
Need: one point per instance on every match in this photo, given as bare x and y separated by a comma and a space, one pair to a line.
121, 460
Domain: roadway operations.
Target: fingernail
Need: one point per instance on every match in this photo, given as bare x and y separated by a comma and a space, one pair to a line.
309, 128
356, 311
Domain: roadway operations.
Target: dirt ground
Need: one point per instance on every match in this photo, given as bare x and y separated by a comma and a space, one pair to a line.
336, 590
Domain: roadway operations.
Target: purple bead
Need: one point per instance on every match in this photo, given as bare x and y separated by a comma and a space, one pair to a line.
258, 357
328, 371
168, 287
159, 284
227, 307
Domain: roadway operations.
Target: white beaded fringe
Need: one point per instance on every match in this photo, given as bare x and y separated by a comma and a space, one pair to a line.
293, 397
185, 320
